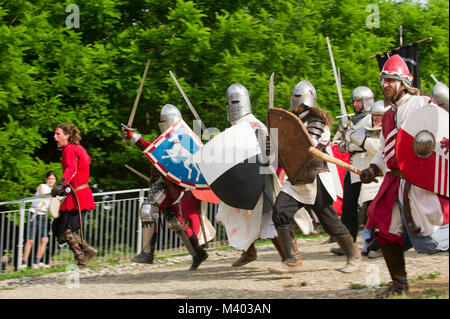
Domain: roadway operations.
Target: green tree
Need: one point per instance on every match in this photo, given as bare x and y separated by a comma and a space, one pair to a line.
89, 75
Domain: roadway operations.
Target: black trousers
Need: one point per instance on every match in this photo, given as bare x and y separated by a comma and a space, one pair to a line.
286, 206
68, 220
350, 205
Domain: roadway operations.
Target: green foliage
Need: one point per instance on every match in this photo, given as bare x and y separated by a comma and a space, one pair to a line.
89, 76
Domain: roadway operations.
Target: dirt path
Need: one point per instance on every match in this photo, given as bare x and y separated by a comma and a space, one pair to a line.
216, 279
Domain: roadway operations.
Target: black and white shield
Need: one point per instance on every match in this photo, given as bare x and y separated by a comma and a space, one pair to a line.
230, 164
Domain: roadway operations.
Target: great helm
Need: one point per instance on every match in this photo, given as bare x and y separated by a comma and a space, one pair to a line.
169, 115
238, 102
396, 68
365, 94
440, 95
303, 93
378, 108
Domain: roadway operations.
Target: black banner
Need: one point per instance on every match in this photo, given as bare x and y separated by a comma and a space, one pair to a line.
410, 54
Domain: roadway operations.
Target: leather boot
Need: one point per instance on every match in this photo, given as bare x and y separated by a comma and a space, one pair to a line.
337, 251
291, 264
277, 243
329, 240
201, 254
75, 247
144, 257
295, 248
88, 251
351, 251
62, 239
395, 261
246, 257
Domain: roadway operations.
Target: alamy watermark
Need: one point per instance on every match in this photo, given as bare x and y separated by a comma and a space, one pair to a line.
73, 276
73, 20
373, 19
373, 276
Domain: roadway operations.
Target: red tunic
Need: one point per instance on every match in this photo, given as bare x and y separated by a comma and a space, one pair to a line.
379, 213
186, 209
75, 162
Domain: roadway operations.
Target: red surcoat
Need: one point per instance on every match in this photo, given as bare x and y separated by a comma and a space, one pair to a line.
75, 163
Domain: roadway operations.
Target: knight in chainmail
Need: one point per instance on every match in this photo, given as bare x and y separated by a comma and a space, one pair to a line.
361, 149
239, 111
315, 190
178, 205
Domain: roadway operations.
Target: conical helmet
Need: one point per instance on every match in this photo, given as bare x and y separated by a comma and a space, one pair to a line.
396, 68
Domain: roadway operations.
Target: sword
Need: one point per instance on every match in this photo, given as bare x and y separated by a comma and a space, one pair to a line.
434, 78
271, 90
191, 107
345, 122
271, 94
136, 100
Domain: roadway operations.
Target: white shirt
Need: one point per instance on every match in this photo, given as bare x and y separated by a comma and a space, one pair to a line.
40, 206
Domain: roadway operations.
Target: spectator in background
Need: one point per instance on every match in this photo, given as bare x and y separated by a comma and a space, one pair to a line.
37, 223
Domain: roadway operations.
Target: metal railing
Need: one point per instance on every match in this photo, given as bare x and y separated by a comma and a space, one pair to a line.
113, 228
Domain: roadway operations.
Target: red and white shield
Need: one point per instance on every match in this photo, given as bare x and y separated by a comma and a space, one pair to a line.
429, 172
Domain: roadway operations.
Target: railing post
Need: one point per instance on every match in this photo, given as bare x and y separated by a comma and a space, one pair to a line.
21, 232
139, 228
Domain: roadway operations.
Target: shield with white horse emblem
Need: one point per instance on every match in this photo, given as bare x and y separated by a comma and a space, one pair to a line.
172, 154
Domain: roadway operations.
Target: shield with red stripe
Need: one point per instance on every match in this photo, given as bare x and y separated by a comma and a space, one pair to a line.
338, 175
172, 154
430, 170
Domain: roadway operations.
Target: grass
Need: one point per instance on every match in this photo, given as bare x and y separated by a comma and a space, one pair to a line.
432, 275
354, 286
429, 293
432, 294
28, 272
415, 292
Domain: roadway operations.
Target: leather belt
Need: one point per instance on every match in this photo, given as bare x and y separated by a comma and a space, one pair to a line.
406, 204
80, 187
397, 173
407, 209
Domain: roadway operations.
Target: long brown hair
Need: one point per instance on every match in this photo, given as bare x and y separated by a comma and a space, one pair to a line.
72, 131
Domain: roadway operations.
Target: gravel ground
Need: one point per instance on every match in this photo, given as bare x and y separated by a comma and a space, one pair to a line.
216, 279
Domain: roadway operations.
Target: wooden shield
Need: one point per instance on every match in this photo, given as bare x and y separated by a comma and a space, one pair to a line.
291, 142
